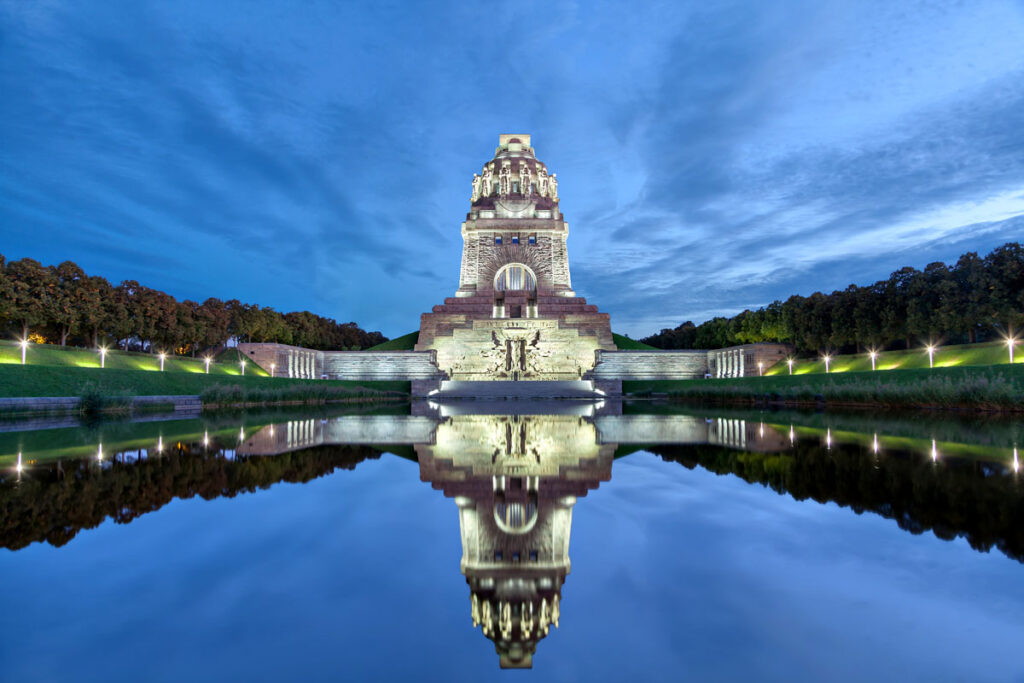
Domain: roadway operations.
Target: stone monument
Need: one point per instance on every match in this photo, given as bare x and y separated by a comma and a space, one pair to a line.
515, 315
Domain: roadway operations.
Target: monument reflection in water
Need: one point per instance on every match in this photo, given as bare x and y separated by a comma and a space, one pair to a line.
515, 480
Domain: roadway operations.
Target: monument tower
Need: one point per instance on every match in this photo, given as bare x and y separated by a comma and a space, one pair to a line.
515, 315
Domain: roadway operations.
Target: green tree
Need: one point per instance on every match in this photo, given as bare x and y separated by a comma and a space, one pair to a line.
32, 287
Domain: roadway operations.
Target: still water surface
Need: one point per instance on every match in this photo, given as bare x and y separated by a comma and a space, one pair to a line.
458, 542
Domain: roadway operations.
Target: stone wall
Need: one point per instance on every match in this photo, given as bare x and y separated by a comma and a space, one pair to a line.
283, 360
638, 365
746, 360
380, 365
297, 362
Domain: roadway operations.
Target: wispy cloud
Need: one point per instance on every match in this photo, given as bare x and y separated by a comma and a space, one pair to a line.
710, 158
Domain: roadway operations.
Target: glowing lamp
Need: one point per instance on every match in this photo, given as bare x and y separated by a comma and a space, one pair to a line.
24, 347
243, 366
163, 357
826, 358
874, 356
207, 361
760, 368
272, 367
19, 463
931, 355
103, 356
1010, 341
789, 362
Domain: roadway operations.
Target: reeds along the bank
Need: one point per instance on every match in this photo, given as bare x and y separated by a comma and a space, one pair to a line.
978, 392
234, 394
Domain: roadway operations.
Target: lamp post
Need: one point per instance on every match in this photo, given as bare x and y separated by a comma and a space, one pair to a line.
874, 355
243, 367
1010, 341
206, 360
827, 358
103, 356
163, 357
24, 347
760, 368
931, 355
789, 362
273, 366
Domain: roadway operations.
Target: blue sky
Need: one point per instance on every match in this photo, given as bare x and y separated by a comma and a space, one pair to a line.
711, 156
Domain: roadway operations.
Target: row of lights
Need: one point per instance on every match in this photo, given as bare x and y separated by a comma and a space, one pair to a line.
875, 448
23, 343
930, 349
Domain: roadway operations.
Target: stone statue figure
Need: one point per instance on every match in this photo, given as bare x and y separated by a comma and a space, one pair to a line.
486, 181
476, 187
524, 179
505, 180
542, 182
553, 185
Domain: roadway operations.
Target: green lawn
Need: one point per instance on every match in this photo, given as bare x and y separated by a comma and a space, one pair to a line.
404, 343
627, 344
945, 357
226, 364
69, 380
973, 387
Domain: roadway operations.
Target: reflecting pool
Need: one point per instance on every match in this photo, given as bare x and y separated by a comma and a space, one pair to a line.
465, 541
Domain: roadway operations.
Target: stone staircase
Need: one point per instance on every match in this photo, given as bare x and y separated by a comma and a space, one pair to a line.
525, 390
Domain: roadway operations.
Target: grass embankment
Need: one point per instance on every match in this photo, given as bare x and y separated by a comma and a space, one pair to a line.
226, 364
38, 380
404, 343
55, 371
627, 344
995, 387
993, 353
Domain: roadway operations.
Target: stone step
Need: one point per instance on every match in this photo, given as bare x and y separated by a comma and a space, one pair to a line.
579, 389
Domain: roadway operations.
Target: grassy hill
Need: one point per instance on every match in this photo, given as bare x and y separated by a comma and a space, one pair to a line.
626, 344
404, 343
227, 363
54, 371
913, 359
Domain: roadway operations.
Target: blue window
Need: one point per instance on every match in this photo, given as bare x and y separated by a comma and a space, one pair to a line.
533, 239
515, 239
497, 239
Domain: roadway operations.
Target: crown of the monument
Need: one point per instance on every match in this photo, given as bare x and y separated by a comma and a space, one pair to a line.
515, 173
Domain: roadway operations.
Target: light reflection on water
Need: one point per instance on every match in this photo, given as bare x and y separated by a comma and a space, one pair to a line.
515, 481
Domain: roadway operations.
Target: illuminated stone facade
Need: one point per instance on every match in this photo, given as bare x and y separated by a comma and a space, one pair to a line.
515, 315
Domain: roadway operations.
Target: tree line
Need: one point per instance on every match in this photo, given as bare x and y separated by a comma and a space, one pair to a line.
65, 305
975, 299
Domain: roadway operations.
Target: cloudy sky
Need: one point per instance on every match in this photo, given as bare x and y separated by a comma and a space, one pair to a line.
318, 155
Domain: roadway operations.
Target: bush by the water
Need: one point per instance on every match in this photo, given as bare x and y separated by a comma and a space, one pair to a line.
94, 400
